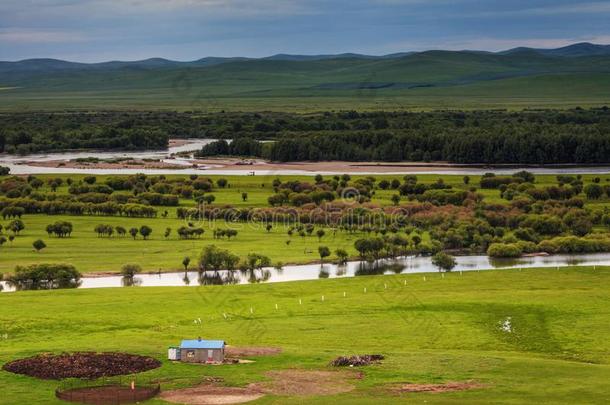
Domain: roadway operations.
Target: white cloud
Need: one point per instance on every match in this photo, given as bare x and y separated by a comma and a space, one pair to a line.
34, 36
215, 8
577, 8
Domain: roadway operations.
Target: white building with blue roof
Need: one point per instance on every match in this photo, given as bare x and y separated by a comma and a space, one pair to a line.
198, 351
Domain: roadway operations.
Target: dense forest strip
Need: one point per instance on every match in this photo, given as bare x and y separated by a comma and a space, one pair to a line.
526, 137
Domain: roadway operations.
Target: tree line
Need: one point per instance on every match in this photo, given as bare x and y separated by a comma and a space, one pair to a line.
540, 136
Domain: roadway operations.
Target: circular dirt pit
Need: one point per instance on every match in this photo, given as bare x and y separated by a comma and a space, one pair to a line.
108, 394
81, 365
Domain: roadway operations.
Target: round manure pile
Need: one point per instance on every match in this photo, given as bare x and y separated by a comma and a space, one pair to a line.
81, 365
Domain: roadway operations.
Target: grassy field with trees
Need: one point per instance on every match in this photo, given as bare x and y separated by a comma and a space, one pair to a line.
100, 223
451, 328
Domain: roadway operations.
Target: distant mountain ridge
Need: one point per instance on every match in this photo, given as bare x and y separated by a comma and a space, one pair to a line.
568, 74
574, 50
39, 64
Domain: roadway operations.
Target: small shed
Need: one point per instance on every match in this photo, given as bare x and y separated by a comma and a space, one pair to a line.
202, 351
173, 353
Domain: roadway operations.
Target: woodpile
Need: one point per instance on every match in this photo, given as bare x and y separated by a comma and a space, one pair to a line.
358, 360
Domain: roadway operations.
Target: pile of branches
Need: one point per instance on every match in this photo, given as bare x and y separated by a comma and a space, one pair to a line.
358, 360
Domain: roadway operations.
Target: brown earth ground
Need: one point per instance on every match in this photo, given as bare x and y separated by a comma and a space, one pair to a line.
284, 383
172, 143
135, 163
328, 166
352, 167
253, 165
231, 351
108, 394
445, 387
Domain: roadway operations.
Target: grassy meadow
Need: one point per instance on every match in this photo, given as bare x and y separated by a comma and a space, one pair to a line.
431, 331
427, 81
90, 253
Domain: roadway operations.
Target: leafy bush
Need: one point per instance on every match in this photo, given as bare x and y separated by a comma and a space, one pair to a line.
44, 276
504, 250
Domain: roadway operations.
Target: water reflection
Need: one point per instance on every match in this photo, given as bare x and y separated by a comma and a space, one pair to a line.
256, 276
127, 281
405, 265
217, 278
324, 272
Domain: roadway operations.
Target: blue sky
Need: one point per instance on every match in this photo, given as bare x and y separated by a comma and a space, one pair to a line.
99, 30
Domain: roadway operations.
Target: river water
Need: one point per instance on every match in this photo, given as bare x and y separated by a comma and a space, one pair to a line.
406, 265
18, 165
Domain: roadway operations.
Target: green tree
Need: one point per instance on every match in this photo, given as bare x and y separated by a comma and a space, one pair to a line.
255, 261
185, 262
133, 232
342, 256
324, 252
16, 226
39, 245
130, 270
213, 258
593, 191
444, 261
145, 231
90, 179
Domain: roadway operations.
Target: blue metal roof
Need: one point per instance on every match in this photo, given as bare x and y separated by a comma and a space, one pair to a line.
202, 344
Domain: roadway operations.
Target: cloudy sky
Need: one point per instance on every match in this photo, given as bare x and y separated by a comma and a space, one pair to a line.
98, 30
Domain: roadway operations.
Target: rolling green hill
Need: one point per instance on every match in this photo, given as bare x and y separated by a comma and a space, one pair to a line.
434, 79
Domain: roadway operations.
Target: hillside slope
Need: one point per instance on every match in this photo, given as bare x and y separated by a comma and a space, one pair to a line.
441, 78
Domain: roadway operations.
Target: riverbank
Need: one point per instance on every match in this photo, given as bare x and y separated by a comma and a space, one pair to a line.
253, 167
304, 272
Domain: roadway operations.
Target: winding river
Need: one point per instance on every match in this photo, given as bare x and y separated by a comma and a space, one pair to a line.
406, 265
19, 165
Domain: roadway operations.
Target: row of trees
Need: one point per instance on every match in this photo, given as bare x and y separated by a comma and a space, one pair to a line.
577, 136
108, 230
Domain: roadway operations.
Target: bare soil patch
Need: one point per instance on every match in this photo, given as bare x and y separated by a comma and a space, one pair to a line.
126, 164
445, 387
210, 394
251, 351
108, 394
81, 365
307, 382
285, 382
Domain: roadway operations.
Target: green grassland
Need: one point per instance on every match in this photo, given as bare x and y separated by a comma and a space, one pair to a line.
90, 253
428, 80
431, 331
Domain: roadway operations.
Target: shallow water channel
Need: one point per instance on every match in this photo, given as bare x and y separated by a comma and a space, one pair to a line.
406, 265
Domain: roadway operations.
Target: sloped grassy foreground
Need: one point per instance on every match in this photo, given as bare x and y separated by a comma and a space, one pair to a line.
510, 336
